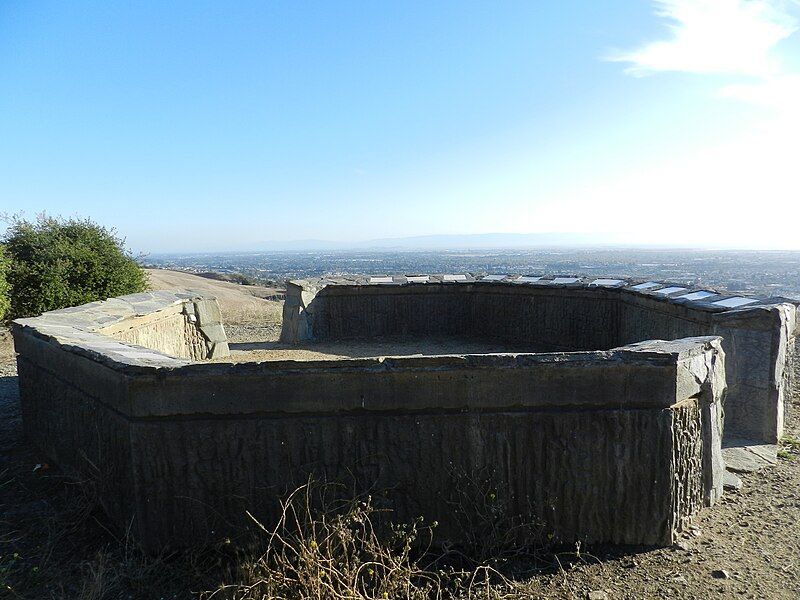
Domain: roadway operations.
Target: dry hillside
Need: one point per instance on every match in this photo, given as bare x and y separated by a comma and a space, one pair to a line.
246, 313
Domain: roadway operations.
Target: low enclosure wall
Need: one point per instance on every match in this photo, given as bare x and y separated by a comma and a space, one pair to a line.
619, 445
567, 314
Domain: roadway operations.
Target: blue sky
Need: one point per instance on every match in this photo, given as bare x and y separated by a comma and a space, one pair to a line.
212, 126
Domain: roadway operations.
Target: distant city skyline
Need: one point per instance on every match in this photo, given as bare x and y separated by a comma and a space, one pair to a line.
210, 127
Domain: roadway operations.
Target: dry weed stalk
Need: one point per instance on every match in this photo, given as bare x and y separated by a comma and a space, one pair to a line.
328, 548
491, 533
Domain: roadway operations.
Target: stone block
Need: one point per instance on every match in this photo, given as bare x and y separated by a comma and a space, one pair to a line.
207, 312
219, 350
215, 332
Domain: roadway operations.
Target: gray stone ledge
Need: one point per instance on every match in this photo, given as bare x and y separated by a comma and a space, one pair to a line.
550, 281
79, 329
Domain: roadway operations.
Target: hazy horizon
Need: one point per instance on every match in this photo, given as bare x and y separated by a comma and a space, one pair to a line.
456, 242
762, 273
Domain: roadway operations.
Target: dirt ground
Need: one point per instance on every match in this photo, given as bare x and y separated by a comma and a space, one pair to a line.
256, 350
55, 543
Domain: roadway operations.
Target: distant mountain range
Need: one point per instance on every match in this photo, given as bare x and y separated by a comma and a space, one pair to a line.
452, 242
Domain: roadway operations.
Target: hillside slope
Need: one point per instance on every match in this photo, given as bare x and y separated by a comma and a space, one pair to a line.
238, 303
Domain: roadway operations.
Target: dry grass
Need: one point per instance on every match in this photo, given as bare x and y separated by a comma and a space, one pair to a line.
324, 546
330, 546
240, 304
256, 311
65, 549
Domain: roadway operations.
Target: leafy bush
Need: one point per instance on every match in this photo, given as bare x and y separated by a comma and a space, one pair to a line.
5, 300
57, 263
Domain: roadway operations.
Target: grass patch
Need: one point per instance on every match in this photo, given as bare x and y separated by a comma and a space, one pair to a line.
789, 448
791, 443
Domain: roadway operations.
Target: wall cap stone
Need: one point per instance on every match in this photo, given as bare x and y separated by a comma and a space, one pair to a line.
703, 298
79, 329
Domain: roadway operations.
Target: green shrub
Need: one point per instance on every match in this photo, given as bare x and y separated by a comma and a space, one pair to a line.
5, 300
57, 263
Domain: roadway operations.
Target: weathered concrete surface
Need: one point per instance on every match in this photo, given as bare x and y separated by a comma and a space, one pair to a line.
169, 331
618, 446
758, 337
147, 329
746, 456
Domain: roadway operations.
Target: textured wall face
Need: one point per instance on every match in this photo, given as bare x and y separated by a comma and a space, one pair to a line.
758, 340
596, 446
64, 415
557, 319
794, 373
755, 343
172, 333
598, 476
191, 330
553, 319
687, 493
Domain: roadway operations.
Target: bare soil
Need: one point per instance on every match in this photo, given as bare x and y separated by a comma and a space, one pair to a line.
55, 543
259, 350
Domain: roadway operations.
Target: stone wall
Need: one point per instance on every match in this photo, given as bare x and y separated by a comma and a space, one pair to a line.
619, 446
792, 404
185, 329
169, 331
148, 329
757, 334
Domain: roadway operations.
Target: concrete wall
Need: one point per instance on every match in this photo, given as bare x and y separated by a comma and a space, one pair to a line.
63, 413
618, 446
170, 331
757, 337
147, 329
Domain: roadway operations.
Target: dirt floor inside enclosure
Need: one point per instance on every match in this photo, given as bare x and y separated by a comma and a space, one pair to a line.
270, 350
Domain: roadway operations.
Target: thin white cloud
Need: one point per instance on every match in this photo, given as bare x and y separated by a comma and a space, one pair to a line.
714, 36
780, 93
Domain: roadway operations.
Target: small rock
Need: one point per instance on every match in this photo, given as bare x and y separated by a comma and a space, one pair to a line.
597, 595
682, 545
720, 574
731, 481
